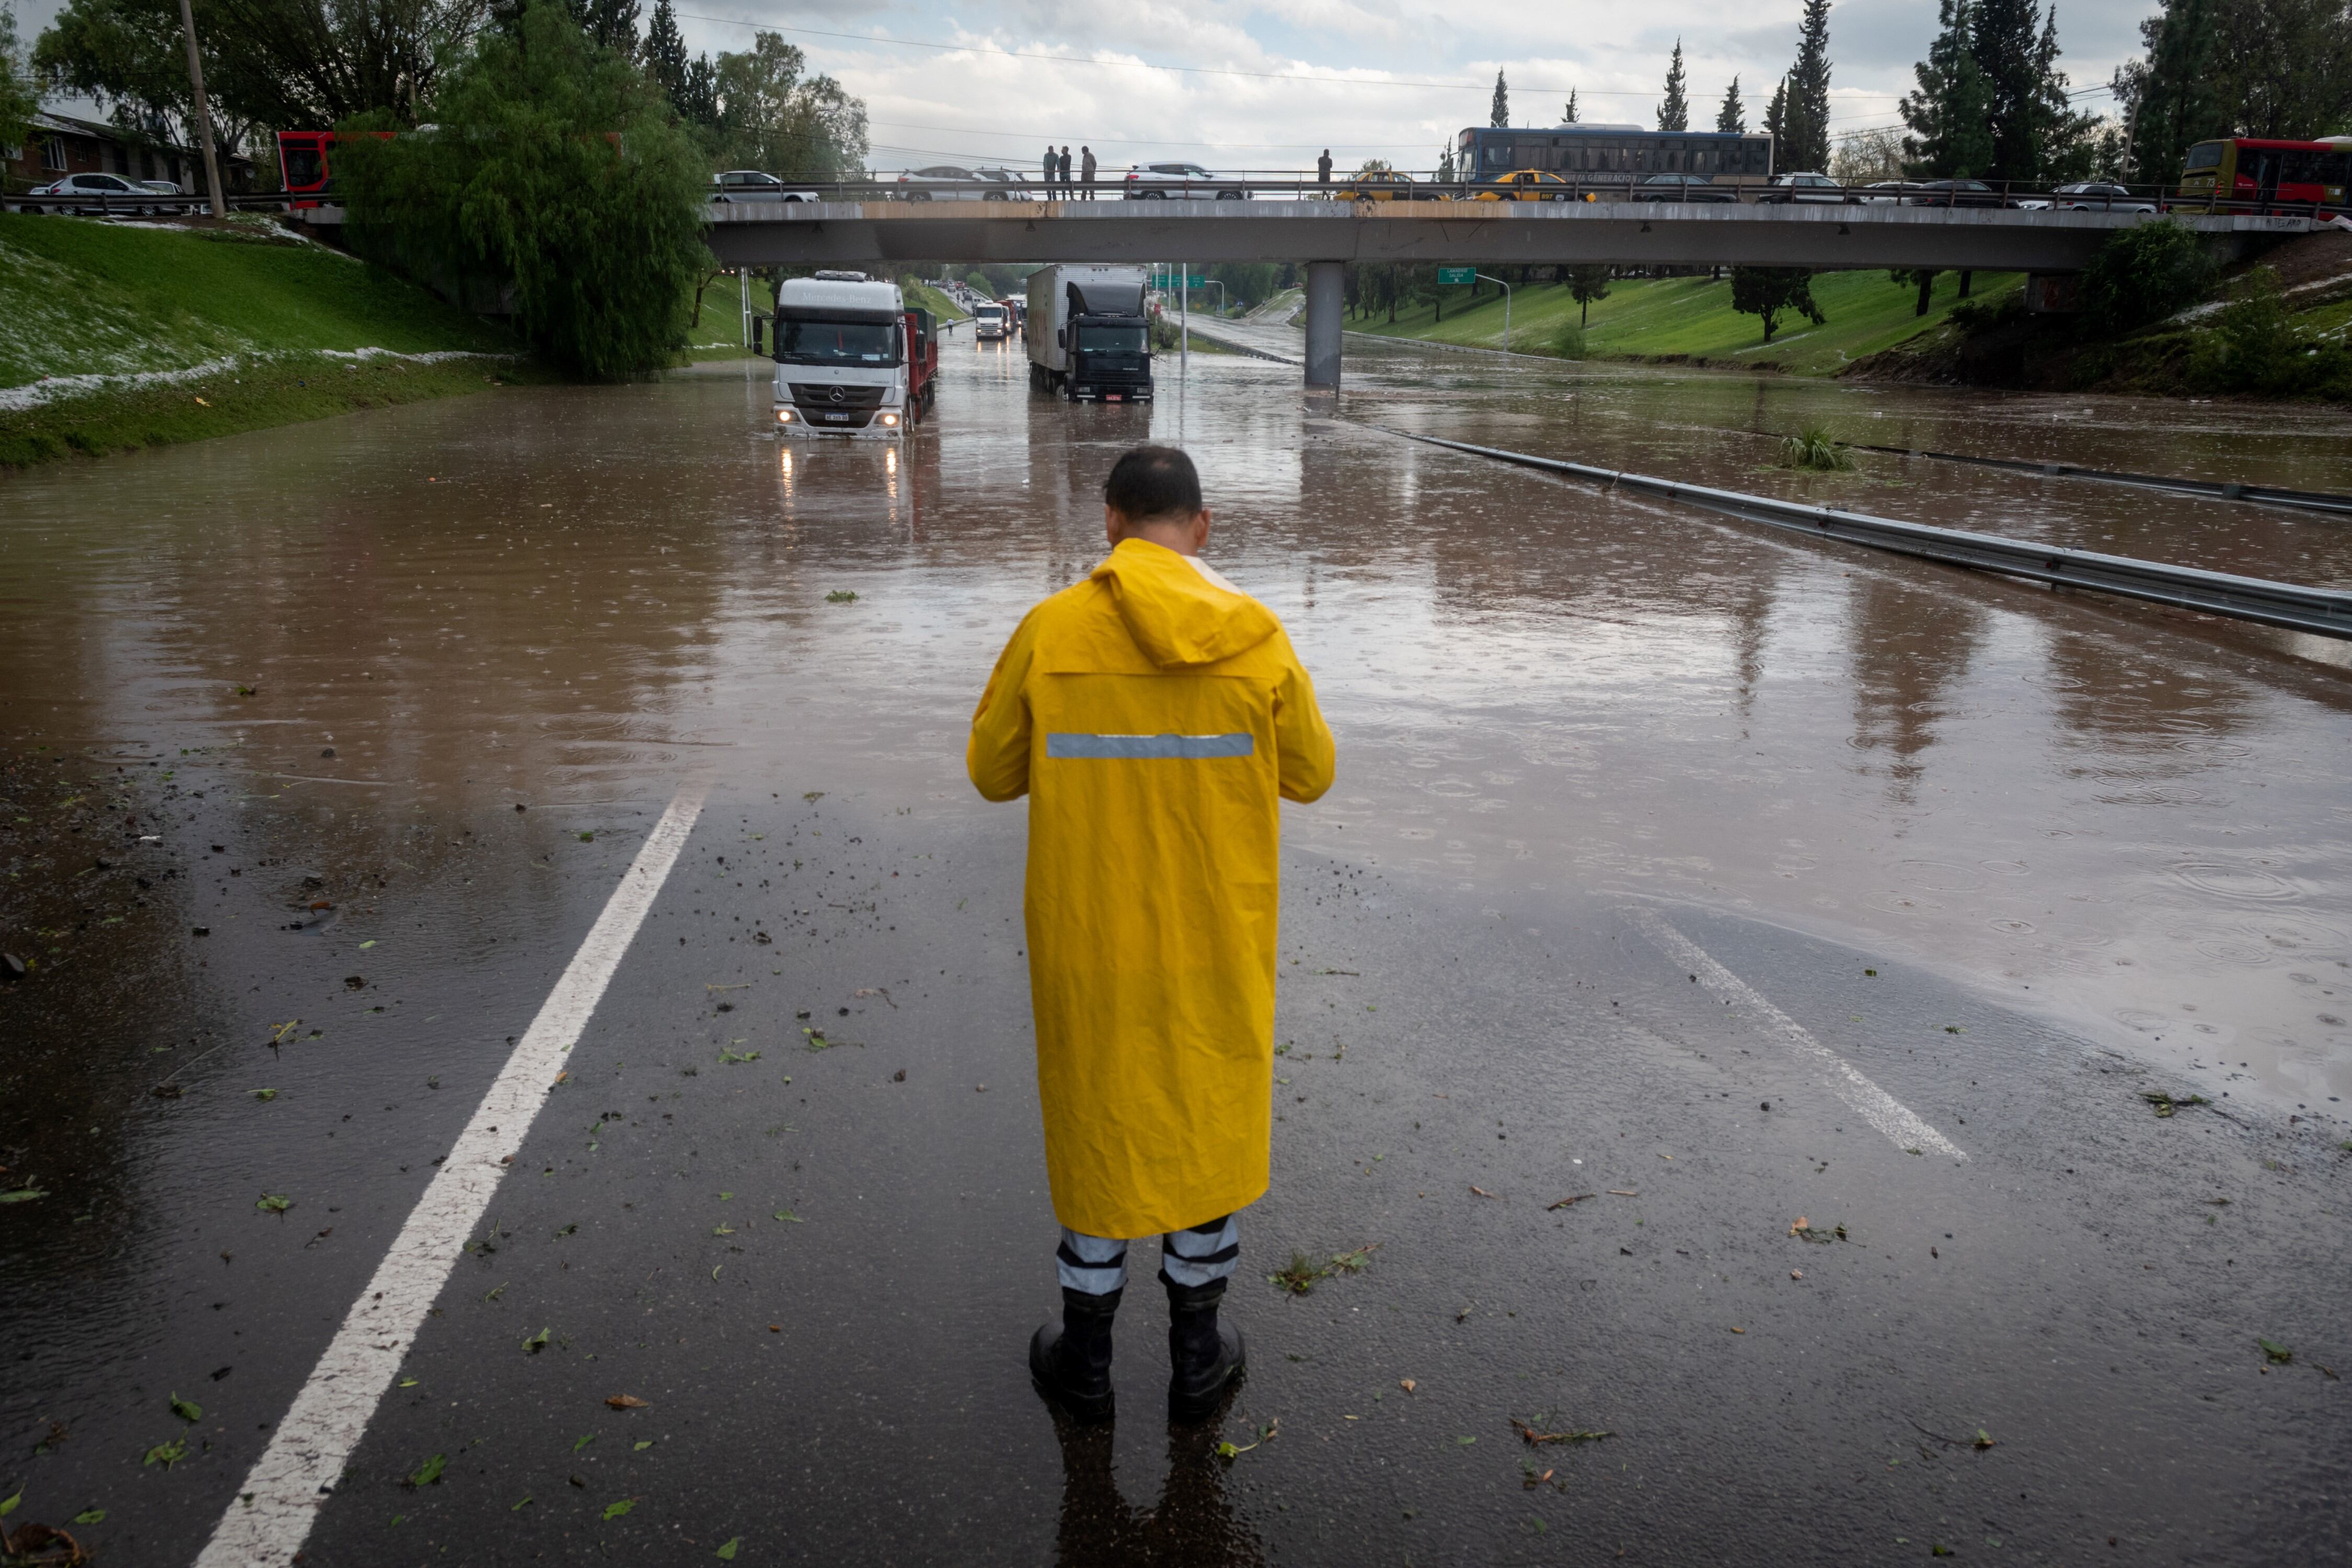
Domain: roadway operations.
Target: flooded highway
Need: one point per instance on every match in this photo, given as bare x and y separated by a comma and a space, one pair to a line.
1660, 845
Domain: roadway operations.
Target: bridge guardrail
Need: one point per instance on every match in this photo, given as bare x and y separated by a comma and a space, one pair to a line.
2325, 612
107, 203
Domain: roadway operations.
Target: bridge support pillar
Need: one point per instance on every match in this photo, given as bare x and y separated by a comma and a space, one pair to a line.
1326, 302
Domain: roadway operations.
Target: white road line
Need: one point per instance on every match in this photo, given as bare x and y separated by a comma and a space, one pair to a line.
269, 1519
1901, 1124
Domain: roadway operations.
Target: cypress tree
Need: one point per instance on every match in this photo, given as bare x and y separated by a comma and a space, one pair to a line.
1673, 113
1809, 89
665, 52
1568, 114
1733, 116
1499, 116
2177, 105
1950, 138
1776, 125
2002, 40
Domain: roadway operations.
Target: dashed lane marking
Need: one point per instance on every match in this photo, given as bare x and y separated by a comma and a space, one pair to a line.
271, 1515
1902, 1126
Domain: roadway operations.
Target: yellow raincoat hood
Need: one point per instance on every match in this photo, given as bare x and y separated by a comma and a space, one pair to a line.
1180, 612
1155, 718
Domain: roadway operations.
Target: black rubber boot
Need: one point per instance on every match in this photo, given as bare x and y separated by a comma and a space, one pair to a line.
1205, 1357
1069, 1362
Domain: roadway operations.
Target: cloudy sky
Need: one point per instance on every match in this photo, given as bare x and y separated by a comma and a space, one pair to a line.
1401, 77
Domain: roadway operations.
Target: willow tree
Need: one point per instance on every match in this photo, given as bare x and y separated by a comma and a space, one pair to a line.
554, 168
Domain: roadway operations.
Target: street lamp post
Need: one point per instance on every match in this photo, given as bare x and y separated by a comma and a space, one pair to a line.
1505, 288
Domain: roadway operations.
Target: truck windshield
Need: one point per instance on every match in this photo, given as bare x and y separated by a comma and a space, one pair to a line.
1111, 339
815, 341
989, 312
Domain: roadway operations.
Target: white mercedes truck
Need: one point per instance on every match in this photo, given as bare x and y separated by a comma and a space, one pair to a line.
841, 358
1089, 336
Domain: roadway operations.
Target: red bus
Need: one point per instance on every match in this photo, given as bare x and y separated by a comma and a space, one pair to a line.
304, 170
2240, 173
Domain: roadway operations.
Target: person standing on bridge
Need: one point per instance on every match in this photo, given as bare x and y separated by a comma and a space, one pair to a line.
1156, 717
1323, 168
1086, 170
1052, 163
1065, 161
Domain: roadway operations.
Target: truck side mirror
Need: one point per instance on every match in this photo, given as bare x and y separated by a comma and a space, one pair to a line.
1061, 336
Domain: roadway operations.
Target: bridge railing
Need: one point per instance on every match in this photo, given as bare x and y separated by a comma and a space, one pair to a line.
1581, 187
147, 203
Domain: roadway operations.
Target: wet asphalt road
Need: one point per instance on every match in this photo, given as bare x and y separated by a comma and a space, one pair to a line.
1475, 1027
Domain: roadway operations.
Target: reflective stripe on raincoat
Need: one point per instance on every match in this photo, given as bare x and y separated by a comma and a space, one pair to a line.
1154, 715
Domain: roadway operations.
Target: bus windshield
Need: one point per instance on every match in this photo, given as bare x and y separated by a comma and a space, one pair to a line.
817, 341
1111, 339
2204, 155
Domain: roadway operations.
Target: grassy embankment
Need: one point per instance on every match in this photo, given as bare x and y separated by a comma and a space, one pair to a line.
121, 336
1692, 319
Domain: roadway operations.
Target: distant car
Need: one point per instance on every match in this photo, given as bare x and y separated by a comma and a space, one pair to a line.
751, 186
1954, 193
1683, 188
1386, 185
2098, 195
1524, 185
1163, 182
1885, 191
175, 200
107, 192
953, 182
1801, 187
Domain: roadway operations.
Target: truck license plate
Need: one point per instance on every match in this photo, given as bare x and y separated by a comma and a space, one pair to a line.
838, 418
1114, 397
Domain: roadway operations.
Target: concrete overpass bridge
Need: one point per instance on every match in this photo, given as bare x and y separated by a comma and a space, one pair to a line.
1324, 236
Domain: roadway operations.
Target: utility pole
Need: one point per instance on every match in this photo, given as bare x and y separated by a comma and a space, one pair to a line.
204, 112
1185, 323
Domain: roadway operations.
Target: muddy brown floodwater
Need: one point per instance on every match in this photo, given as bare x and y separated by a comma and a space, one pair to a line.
2129, 819
321, 748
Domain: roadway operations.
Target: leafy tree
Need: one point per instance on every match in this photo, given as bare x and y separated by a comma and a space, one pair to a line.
1951, 136
283, 63
1499, 114
18, 102
1732, 118
1768, 292
2143, 274
2036, 133
1673, 111
1445, 164
1568, 112
772, 117
1586, 284
557, 168
1921, 278
1864, 156
2283, 67
1807, 111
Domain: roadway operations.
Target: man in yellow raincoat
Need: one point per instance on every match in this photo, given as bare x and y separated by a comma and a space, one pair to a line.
1156, 716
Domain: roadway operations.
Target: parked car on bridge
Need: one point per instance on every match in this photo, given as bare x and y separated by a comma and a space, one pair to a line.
1954, 193
1805, 187
1161, 182
751, 186
2097, 196
1525, 186
1683, 188
953, 182
1885, 191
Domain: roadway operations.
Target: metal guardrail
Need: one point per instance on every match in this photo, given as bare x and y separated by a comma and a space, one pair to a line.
2262, 495
108, 203
2287, 604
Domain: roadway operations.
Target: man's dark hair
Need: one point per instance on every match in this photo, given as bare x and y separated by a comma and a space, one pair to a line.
1153, 483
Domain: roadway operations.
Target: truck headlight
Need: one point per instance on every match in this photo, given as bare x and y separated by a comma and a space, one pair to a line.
889, 419
784, 416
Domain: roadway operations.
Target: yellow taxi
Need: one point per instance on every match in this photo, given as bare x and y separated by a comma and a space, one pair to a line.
1525, 186
1385, 185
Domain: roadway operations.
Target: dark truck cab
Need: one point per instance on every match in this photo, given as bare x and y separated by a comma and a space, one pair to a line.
1089, 336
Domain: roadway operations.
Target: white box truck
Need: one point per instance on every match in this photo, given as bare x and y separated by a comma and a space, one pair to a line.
841, 358
1089, 336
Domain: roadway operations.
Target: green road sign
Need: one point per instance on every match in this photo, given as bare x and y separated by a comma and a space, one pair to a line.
1457, 274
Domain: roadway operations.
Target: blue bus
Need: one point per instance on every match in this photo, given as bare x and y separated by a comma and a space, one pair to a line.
1613, 154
